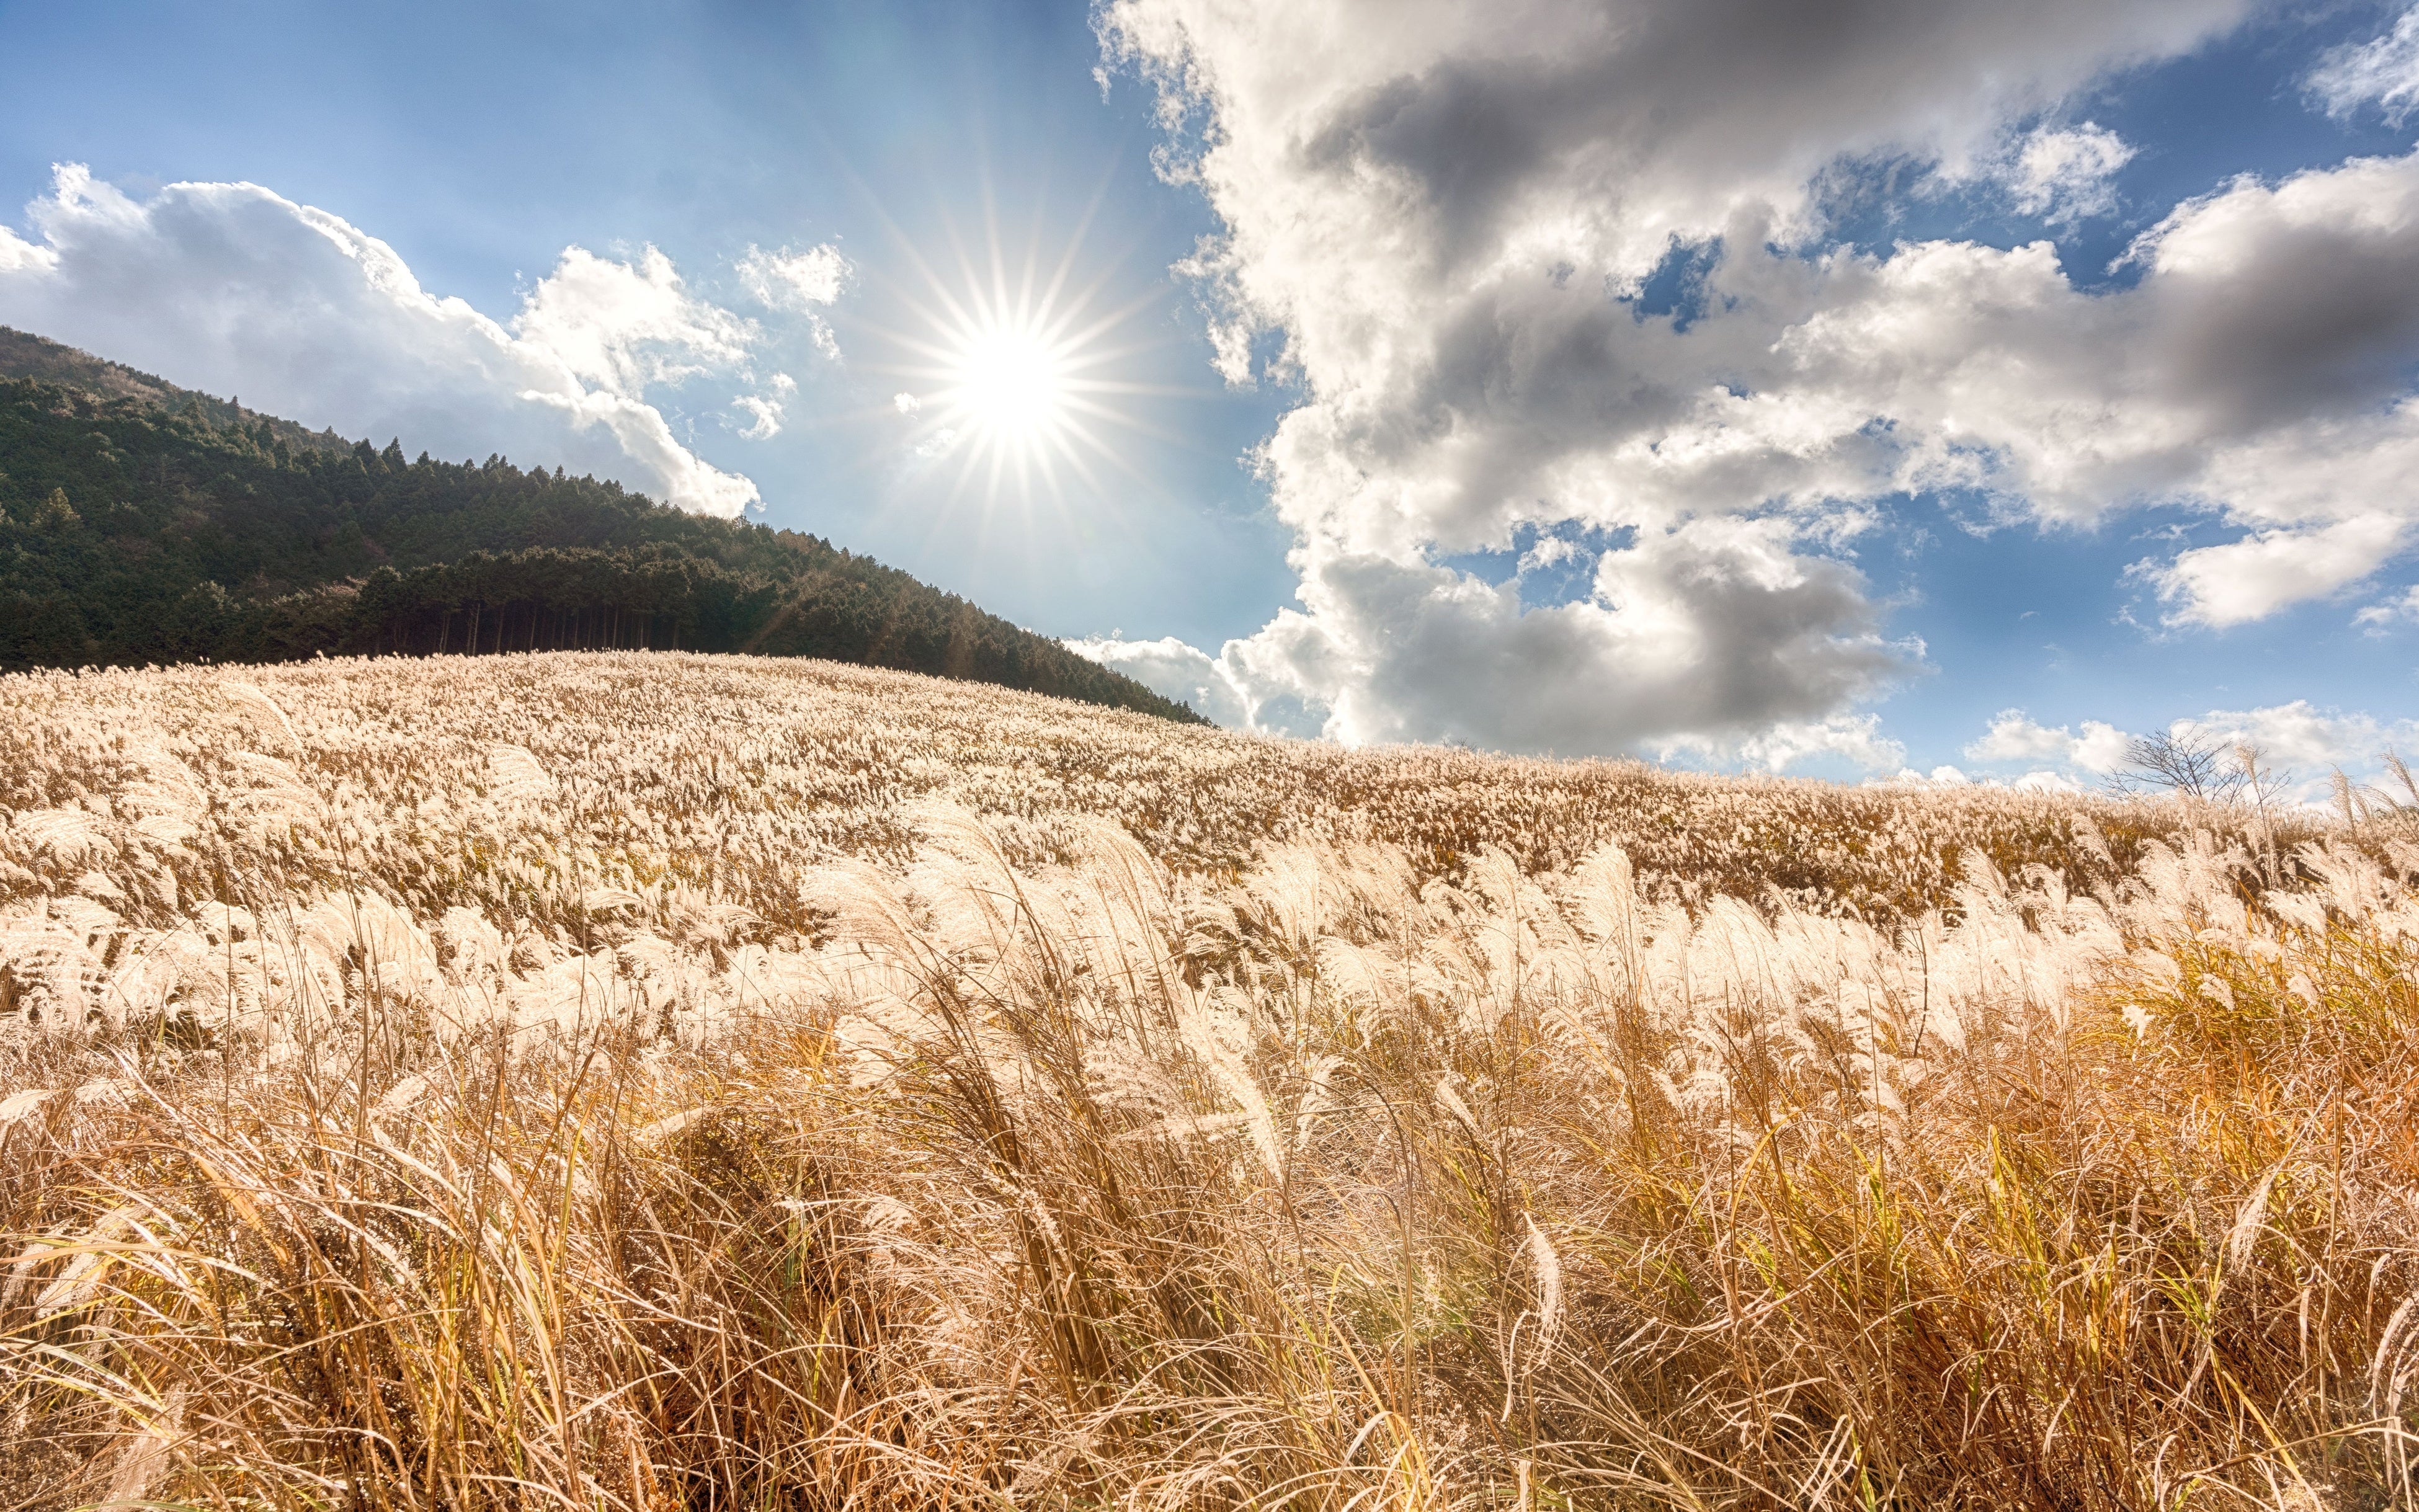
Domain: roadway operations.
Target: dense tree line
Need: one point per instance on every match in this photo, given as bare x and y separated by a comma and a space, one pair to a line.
148, 524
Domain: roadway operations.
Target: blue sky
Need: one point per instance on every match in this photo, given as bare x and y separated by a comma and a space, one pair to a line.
478, 141
1854, 593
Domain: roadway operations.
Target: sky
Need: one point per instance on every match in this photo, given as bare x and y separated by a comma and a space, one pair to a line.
1872, 389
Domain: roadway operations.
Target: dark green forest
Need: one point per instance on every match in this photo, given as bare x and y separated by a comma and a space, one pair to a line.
142, 523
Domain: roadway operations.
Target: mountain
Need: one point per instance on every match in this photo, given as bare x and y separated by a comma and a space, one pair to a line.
142, 522
26, 356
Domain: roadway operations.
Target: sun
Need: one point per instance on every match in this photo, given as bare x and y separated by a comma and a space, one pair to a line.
1015, 385
1011, 384
1018, 380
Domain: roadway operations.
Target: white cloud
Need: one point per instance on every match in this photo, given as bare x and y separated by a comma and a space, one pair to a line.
1951, 777
765, 416
20, 256
2256, 371
766, 410
2384, 71
804, 283
1854, 738
2044, 781
623, 326
2014, 737
1715, 630
795, 280
2297, 742
2308, 741
1173, 670
2376, 618
2066, 174
1549, 551
235, 290
2254, 577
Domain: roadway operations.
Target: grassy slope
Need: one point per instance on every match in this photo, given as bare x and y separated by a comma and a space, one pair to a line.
701, 1081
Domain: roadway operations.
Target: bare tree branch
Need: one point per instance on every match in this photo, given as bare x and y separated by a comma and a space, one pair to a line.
2189, 766
2198, 764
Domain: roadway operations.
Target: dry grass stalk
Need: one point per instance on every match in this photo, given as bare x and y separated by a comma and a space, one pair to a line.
663, 1081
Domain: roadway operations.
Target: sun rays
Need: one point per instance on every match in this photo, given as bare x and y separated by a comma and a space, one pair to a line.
1020, 369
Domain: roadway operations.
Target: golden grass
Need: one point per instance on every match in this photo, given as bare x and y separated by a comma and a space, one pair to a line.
649, 1081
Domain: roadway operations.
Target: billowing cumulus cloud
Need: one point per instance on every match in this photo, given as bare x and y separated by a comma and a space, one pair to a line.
1177, 670
2098, 748
2306, 741
22, 258
1438, 215
233, 289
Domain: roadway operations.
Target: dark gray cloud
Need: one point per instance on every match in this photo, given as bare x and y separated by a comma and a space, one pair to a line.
1716, 629
2273, 307
1677, 110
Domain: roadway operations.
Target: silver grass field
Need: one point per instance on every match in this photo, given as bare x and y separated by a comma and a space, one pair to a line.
653, 1081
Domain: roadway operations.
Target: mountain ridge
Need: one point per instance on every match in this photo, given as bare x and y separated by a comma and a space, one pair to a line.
143, 522
25, 355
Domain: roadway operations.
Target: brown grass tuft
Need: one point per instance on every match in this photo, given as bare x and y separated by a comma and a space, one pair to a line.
656, 1081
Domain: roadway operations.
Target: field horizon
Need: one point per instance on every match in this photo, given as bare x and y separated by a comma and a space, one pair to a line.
644, 1080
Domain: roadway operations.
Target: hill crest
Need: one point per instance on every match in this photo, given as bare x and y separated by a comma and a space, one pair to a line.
142, 522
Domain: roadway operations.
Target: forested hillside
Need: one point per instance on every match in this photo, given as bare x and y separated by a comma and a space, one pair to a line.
141, 523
